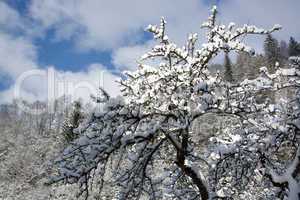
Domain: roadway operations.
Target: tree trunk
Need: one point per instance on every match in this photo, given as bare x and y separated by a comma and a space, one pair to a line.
196, 180
188, 170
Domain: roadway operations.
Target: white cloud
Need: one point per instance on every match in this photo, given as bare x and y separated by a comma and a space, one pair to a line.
17, 55
126, 58
100, 24
117, 26
50, 83
261, 13
9, 18
264, 14
84, 83
17, 52
19, 62
12, 23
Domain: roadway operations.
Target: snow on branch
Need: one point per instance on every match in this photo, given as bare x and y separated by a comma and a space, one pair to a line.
289, 177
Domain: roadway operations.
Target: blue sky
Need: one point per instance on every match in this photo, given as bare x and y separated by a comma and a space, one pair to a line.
78, 39
62, 53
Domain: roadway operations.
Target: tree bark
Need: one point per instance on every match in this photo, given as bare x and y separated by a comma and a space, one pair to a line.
188, 170
196, 180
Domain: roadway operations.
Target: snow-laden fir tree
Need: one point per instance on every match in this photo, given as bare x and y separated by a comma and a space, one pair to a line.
284, 51
294, 47
142, 144
72, 122
272, 52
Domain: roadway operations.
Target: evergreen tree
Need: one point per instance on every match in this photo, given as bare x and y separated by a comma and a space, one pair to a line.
247, 66
294, 47
228, 68
284, 53
72, 122
242, 66
272, 52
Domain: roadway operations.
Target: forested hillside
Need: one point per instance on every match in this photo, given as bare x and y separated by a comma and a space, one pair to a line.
29, 144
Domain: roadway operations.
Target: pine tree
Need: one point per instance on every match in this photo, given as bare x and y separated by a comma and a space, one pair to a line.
294, 47
242, 66
72, 123
228, 69
272, 52
284, 52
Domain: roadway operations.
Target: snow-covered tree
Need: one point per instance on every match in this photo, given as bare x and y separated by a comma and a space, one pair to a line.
143, 144
72, 122
272, 52
284, 51
294, 47
28, 144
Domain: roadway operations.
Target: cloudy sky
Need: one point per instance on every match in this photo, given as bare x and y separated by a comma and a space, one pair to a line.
79, 44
